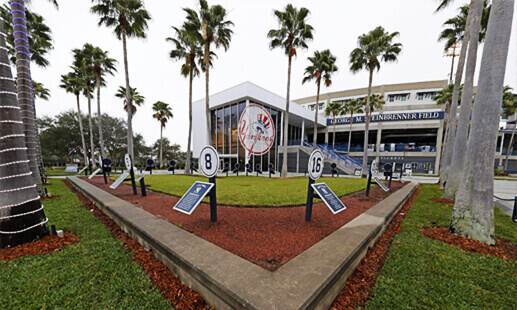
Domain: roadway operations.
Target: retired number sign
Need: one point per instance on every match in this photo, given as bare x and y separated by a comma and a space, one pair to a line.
209, 161
316, 165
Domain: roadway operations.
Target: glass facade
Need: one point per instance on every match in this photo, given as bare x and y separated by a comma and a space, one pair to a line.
225, 138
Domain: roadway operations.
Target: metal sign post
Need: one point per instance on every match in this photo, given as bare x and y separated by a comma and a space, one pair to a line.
257, 169
142, 184
373, 169
237, 166
271, 171
150, 164
209, 163
315, 170
514, 214
172, 164
129, 165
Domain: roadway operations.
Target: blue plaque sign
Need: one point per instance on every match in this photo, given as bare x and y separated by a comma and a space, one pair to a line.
331, 200
94, 173
120, 179
193, 197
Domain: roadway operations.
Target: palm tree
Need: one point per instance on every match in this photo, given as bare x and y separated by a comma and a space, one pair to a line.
83, 67
24, 89
323, 64
509, 109
374, 47
136, 98
473, 212
460, 145
73, 83
40, 91
22, 218
187, 46
294, 33
129, 20
334, 109
102, 64
376, 103
350, 107
444, 97
213, 27
162, 113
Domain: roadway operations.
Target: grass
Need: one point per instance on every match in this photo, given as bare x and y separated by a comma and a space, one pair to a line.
254, 191
421, 273
96, 273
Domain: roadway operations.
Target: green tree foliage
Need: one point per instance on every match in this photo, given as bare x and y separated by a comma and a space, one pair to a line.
137, 99
170, 151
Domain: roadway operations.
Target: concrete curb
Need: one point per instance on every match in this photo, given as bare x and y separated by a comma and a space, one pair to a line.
311, 280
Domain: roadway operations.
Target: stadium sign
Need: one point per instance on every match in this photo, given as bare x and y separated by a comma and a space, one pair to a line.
391, 117
256, 130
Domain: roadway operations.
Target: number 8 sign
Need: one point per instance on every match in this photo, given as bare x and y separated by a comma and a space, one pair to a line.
209, 161
316, 165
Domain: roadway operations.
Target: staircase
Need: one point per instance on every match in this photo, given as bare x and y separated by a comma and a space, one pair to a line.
344, 162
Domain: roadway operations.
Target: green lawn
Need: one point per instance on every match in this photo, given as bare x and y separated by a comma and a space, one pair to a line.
96, 273
254, 191
420, 273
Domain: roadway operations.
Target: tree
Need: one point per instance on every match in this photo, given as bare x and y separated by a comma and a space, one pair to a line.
473, 212
444, 97
373, 48
213, 27
376, 103
129, 20
102, 65
509, 109
460, 145
171, 152
294, 33
136, 98
40, 91
22, 218
162, 113
323, 64
350, 107
187, 46
334, 109
72, 83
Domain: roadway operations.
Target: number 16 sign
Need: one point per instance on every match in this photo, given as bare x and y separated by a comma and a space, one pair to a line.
315, 169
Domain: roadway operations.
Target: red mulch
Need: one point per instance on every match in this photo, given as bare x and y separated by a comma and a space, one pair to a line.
502, 249
48, 198
45, 245
268, 237
443, 200
179, 294
362, 281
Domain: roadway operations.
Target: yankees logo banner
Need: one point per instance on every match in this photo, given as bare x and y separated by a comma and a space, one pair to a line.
256, 130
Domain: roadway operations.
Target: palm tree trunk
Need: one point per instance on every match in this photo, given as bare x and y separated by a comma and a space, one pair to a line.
207, 92
316, 118
161, 144
81, 129
18, 192
129, 100
449, 147
473, 213
101, 138
510, 145
187, 165
25, 91
367, 124
350, 130
286, 120
92, 147
460, 146
334, 132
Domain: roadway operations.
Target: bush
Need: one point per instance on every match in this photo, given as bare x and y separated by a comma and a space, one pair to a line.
498, 172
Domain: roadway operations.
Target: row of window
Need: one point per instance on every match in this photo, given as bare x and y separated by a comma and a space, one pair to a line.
320, 107
405, 97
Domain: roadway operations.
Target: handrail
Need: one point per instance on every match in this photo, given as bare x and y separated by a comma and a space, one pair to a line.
346, 161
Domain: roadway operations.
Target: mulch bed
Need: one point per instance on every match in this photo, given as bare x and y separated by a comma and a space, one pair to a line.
268, 237
502, 249
443, 200
45, 245
179, 294
48, 198
362, 281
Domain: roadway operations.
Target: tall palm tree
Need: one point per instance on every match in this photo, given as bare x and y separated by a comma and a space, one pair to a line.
373, 48
73, 83
102, 65
460, 145
334, 109
213, 27
162, 113
187, 48
444, 97
350, 107
129, 20
376, 103
473, 212
83, 67
24, 89
323, 64
509, 109
22, 218
294, 33
136, 98
40, 91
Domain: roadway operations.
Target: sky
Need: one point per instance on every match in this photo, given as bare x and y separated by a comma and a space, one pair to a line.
337, 25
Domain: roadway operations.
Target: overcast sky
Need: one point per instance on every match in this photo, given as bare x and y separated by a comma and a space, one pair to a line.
337, 25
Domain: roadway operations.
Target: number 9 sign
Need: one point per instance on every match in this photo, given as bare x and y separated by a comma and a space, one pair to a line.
209, 161
316, 165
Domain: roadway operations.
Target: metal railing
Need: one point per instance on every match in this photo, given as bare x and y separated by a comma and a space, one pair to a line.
345, 161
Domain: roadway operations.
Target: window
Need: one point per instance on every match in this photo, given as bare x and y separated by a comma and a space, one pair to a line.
420, 96
391, 98
312, 107
321, 106
427, 166
403, 98
414, 166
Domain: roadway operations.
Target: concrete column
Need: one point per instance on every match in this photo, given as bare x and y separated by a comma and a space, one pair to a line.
303, 132
326, 135
439, 138
500, 166
298, 160
378, 143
